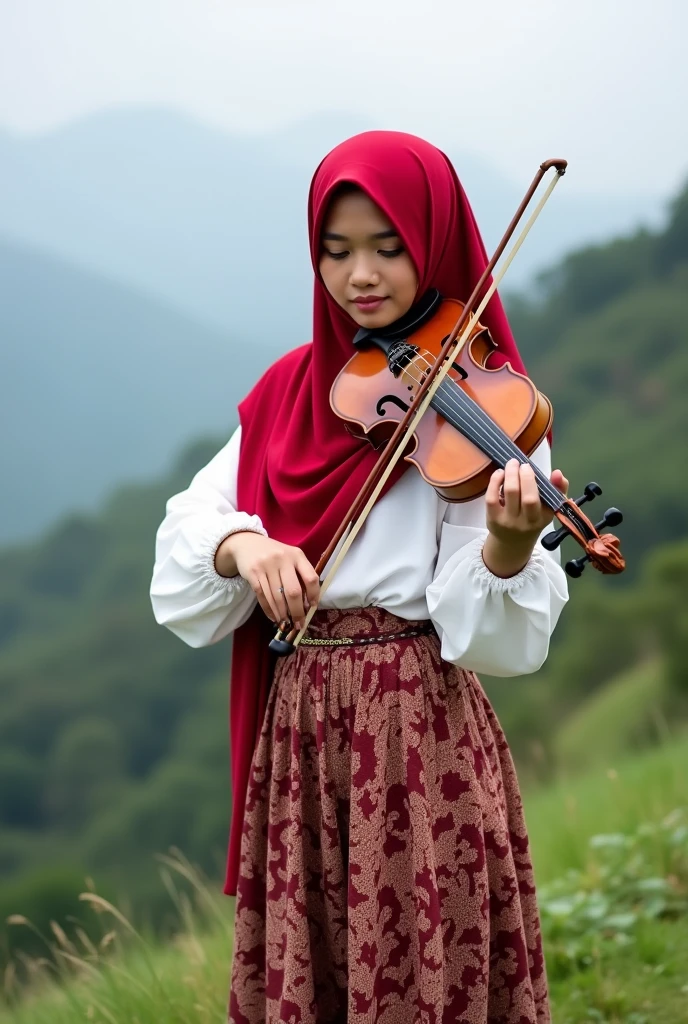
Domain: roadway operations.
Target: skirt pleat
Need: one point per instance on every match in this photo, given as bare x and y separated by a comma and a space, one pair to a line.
385, 869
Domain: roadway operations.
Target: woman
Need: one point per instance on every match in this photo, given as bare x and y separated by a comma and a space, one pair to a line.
378, 850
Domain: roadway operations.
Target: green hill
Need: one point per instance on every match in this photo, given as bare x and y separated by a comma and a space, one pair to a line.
623, 715
113, 742
113, 733
100, 383
634, 978
607, 342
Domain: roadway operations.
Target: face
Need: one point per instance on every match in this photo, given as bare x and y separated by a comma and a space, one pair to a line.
363, 263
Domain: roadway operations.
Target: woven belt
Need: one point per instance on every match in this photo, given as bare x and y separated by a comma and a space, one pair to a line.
383, 638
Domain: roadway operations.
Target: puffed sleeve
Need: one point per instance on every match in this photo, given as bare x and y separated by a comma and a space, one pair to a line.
187, 593
501, 627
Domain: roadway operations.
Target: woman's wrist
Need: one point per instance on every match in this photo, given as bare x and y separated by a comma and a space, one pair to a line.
225, 556
507, 558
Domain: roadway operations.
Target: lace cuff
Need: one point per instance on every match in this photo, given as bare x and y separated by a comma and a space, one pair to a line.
234, 522
498, 584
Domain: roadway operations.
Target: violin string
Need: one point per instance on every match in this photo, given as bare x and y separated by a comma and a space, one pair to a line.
494, 442
504, 445
497, 443
554, 500
498, 450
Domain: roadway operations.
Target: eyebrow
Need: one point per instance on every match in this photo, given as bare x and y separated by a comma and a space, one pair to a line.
330, 236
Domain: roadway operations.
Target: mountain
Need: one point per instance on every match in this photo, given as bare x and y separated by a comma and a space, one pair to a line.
150, 268
113, 733
216, 223
101, 383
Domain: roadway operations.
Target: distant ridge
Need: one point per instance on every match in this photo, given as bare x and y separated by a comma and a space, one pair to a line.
100, 383
209, 220
143, 289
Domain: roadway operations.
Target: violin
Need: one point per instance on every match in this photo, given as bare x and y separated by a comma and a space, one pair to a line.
480, 419
405, 391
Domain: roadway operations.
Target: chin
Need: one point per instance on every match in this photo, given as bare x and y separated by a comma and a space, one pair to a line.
382, 319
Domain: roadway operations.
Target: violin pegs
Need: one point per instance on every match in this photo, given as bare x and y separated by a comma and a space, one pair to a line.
576, 566
552, 540
612, 517
592, 490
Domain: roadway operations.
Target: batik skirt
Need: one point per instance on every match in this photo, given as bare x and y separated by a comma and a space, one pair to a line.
385, 869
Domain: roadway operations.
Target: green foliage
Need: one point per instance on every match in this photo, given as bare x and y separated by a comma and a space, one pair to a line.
85, 769
615, 939
20, 789
592, 278
672, 244
172, 803
615, 797
614, 639
69, 556
667, 587
115, 972
617, 380
629, 878
100, 760
615, 679
606, 339
44, 895
113, 733
640, 983
625, 714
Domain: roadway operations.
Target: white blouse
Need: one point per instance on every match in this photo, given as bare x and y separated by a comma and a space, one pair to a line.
417, 556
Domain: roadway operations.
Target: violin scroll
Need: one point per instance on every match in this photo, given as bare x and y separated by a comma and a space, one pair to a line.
602, 551
552, 540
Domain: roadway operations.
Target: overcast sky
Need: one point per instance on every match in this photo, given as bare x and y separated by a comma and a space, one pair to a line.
603, 83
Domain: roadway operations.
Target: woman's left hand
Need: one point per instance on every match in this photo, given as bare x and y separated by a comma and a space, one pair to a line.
516, 517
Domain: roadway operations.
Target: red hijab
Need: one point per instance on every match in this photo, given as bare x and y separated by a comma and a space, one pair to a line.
300, 469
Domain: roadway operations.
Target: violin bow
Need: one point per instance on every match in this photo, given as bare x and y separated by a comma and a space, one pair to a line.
287, 637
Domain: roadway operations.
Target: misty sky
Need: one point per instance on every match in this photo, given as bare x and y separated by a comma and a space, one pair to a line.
603, 83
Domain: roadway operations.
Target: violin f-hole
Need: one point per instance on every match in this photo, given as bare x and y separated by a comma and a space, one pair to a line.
455, 366
394, 399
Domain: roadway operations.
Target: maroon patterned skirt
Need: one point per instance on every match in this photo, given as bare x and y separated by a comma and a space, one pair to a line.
385, 872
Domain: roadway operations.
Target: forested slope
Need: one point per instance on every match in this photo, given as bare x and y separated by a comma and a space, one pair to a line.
113, 734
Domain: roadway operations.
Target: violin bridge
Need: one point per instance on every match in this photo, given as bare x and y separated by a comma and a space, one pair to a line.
399, 355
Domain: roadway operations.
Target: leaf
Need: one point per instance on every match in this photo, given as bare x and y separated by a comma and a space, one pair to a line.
652, 885
560, 908
614, 840
655, 908
621, 922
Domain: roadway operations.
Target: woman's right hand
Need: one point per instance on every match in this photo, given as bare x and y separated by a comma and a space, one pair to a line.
281, 577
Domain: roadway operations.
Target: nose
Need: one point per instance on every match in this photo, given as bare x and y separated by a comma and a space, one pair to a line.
364, 272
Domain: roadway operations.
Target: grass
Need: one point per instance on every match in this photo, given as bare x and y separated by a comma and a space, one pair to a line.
614, 797
646, 983
614, 719
145, 981
186, 980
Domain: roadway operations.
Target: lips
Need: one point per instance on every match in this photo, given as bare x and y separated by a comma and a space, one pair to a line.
369, 303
